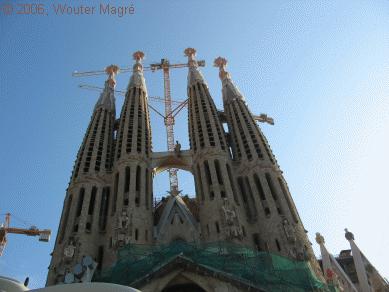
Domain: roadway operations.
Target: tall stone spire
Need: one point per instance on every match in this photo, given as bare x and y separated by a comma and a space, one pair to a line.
215, 186
333, 272
359, 263
132, 177
273, 221
84, 215
98, 140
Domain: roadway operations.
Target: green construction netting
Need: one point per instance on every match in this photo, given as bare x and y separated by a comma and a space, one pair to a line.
264, 270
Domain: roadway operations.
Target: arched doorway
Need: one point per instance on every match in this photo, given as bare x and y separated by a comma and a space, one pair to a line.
187, 287
181, 283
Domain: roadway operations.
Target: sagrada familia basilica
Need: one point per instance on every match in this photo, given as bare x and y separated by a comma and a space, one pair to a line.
241, 231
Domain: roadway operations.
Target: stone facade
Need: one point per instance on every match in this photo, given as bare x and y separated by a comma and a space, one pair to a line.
241, 194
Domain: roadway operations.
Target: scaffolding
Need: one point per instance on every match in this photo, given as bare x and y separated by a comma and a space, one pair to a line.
263, 270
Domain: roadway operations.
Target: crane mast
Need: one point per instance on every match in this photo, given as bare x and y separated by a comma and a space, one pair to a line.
169, 123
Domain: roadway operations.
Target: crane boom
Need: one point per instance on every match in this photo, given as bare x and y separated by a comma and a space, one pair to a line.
44, 235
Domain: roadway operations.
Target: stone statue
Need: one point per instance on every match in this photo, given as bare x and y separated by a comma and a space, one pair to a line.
69, 250
123, 220
177, 148
289, 230
233, 227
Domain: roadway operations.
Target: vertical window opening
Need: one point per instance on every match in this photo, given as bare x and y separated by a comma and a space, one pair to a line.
200, 183
137, 187
100, 256
104, 208
80, 201
127, 179
217, 227
115, 194
232, 182
208, 173
92, 201
136, 234
147, 190
65, 218
271, 186
288, 200
88, 226
278, 245
261, 193
218, 172
257, 241
273, 192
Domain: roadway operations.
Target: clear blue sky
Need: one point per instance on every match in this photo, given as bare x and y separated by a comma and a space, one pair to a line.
319, 68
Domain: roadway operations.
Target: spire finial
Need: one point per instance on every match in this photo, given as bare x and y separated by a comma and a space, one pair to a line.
319, 238
191, 54
348, 235
138, 57
222, 64
112, 71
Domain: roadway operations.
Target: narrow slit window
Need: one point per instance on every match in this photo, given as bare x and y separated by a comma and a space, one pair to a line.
65, 218
115, 194
80, 201
218, 172
92, 201
278, 245
127, 179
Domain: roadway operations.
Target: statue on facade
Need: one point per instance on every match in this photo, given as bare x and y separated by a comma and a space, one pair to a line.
177, 148
231, 220
69, 250
289, 230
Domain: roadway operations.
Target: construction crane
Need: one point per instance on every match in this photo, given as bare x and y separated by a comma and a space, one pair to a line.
165, 66
44, 235
170, 113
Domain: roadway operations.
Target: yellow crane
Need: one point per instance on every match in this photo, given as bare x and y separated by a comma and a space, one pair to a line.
44, 235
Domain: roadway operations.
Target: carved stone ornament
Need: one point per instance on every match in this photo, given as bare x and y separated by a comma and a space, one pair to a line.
289, 231
123, 220
231, 220
69, 250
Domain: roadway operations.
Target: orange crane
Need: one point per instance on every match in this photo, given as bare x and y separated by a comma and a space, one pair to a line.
170, 113
44, 235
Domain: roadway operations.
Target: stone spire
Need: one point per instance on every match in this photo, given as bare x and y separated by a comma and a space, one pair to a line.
215, 186
132, 179
194, 75
359, 263
333, 272
272, 219
137, 79
134, 134
107, 97
84, 216
229, 90
98, 140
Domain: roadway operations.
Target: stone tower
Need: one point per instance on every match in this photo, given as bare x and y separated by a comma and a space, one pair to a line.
272, 219
85, 213
132, 176
215, 188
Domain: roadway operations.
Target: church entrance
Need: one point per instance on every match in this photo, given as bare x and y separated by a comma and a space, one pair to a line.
189, 287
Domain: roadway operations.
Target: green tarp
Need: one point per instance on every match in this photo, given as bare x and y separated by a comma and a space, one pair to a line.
264, 270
